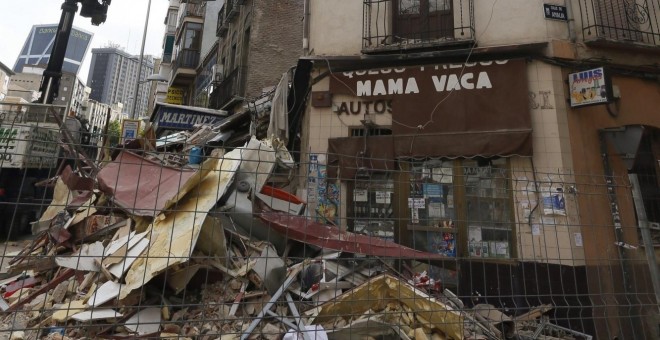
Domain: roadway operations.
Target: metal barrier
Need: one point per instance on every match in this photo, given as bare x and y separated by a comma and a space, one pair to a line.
246, 243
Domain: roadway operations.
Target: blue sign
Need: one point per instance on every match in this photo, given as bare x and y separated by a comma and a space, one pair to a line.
555, 12
176, 118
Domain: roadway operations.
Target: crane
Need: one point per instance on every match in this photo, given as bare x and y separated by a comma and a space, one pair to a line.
97, 11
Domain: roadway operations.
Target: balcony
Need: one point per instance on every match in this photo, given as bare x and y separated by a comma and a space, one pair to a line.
617, 22
183, 67
223, 25
393, 25
230, 10
230, 89
193, 11
167, 58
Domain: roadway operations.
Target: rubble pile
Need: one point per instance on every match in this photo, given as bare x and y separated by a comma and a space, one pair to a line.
151, 245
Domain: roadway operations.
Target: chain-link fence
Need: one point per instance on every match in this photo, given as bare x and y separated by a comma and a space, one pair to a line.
199, 236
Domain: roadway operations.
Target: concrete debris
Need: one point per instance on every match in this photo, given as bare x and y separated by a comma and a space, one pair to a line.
175, 247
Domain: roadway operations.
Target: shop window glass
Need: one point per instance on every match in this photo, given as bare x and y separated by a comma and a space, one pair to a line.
481, 190
489, 210
372, 206
431, 204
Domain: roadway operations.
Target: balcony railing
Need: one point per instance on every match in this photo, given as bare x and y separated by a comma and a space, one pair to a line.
230, 9
404, 24
167, 58
186, 59
194, 10
631, 21
232, 86
223, 24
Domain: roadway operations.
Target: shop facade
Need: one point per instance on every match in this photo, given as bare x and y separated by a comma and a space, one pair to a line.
616, 146
469, 160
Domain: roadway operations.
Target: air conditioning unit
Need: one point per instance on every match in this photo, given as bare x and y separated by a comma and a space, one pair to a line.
217, 71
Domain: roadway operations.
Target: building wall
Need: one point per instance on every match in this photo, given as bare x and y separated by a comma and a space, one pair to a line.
341, 17
493, 23
210, 25
566, 152
273, 51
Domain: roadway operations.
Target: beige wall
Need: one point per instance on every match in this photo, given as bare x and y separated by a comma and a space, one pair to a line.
506, 22
336, 26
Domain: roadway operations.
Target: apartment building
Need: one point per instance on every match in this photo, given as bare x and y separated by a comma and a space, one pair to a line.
511, 136
258, 42
5, 75
113, 76
71, 93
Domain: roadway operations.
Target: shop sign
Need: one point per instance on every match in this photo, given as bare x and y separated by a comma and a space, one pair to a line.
555, 12
474, 96
183, 119
589, 87
130, 129
174, 96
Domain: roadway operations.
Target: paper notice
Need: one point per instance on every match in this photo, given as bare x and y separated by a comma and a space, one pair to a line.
360, 195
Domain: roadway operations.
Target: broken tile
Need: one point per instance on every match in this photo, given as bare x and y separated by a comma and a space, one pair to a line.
146, 321
97, 314
84, 260
108, 291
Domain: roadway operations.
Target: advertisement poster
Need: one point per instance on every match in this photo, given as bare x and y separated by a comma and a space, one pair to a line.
324, 193
554, 204
175, 95
589, 87
442, 243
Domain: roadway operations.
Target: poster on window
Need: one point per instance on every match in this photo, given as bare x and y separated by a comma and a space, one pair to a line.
442, 243
360, 195
326, 193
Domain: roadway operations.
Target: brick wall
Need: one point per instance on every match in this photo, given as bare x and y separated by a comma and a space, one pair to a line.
275, 42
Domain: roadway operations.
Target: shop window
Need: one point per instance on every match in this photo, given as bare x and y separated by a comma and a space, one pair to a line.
372, 211
489, 208
461, 208
431, 203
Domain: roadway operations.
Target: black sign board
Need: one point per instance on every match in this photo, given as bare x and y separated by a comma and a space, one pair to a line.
555, 12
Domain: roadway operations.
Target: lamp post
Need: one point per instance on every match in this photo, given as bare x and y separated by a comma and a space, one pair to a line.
137, 83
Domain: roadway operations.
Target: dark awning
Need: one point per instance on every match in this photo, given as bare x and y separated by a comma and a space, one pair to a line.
444, 110
347, 155
503, 143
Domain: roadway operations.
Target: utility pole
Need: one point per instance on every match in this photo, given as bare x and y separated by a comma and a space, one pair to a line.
139, 74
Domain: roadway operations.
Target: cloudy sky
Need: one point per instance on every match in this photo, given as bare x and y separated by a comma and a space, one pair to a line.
124, 26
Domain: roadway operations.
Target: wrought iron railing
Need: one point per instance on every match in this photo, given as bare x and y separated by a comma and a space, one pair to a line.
232, 9
233, 85
397, 24
621, 20
223, 26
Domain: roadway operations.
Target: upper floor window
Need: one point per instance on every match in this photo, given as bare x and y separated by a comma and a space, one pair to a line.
416, 23
192, 38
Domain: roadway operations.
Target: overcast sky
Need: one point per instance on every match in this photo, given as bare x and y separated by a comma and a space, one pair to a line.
124, 26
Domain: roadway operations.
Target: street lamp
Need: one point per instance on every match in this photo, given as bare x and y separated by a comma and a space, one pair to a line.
144, 38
